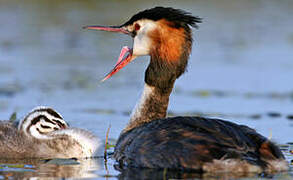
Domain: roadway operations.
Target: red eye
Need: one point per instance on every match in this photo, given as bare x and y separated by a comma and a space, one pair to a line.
136, 27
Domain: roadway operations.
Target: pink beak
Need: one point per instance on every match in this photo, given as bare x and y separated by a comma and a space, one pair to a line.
121, 62
108, 28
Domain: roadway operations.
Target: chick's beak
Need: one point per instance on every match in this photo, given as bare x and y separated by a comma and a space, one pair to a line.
122, 61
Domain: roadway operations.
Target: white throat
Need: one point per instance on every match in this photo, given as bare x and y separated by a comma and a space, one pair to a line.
152, 105
138, 109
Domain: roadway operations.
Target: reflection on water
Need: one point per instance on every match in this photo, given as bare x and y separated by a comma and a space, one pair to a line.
240, 69
98, 168
46, 169
167, 174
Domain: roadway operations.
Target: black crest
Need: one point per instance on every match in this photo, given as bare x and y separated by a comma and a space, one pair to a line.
177, 16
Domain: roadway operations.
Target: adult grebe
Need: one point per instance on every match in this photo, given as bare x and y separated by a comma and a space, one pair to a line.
151, 140
44, 134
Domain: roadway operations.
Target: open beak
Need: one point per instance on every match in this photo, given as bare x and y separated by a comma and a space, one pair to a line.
122, 61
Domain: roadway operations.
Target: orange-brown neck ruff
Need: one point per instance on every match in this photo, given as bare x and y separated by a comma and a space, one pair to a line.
169, 55
167, 41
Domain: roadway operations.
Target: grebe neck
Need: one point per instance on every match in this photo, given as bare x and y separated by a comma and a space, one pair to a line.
167, 63
152, 105
154, 101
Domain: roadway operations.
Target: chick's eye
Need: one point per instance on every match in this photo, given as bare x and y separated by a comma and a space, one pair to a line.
136, 27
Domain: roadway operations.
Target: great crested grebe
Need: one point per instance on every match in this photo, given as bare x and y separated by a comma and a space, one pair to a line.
44, 134
150, 140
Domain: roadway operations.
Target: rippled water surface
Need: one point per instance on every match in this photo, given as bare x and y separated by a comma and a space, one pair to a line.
241, 69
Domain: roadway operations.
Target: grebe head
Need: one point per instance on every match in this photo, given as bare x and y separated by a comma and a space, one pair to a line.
40, 122
163, 33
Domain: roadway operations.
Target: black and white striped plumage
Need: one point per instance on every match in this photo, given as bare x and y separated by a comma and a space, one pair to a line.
44, 134
41, 121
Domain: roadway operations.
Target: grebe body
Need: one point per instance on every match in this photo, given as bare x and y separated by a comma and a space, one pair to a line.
150, 140
200, 144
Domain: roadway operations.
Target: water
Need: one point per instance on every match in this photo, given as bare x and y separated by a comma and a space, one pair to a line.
240, 69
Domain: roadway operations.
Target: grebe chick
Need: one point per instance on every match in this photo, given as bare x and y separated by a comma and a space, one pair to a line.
151, 140
44, 134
